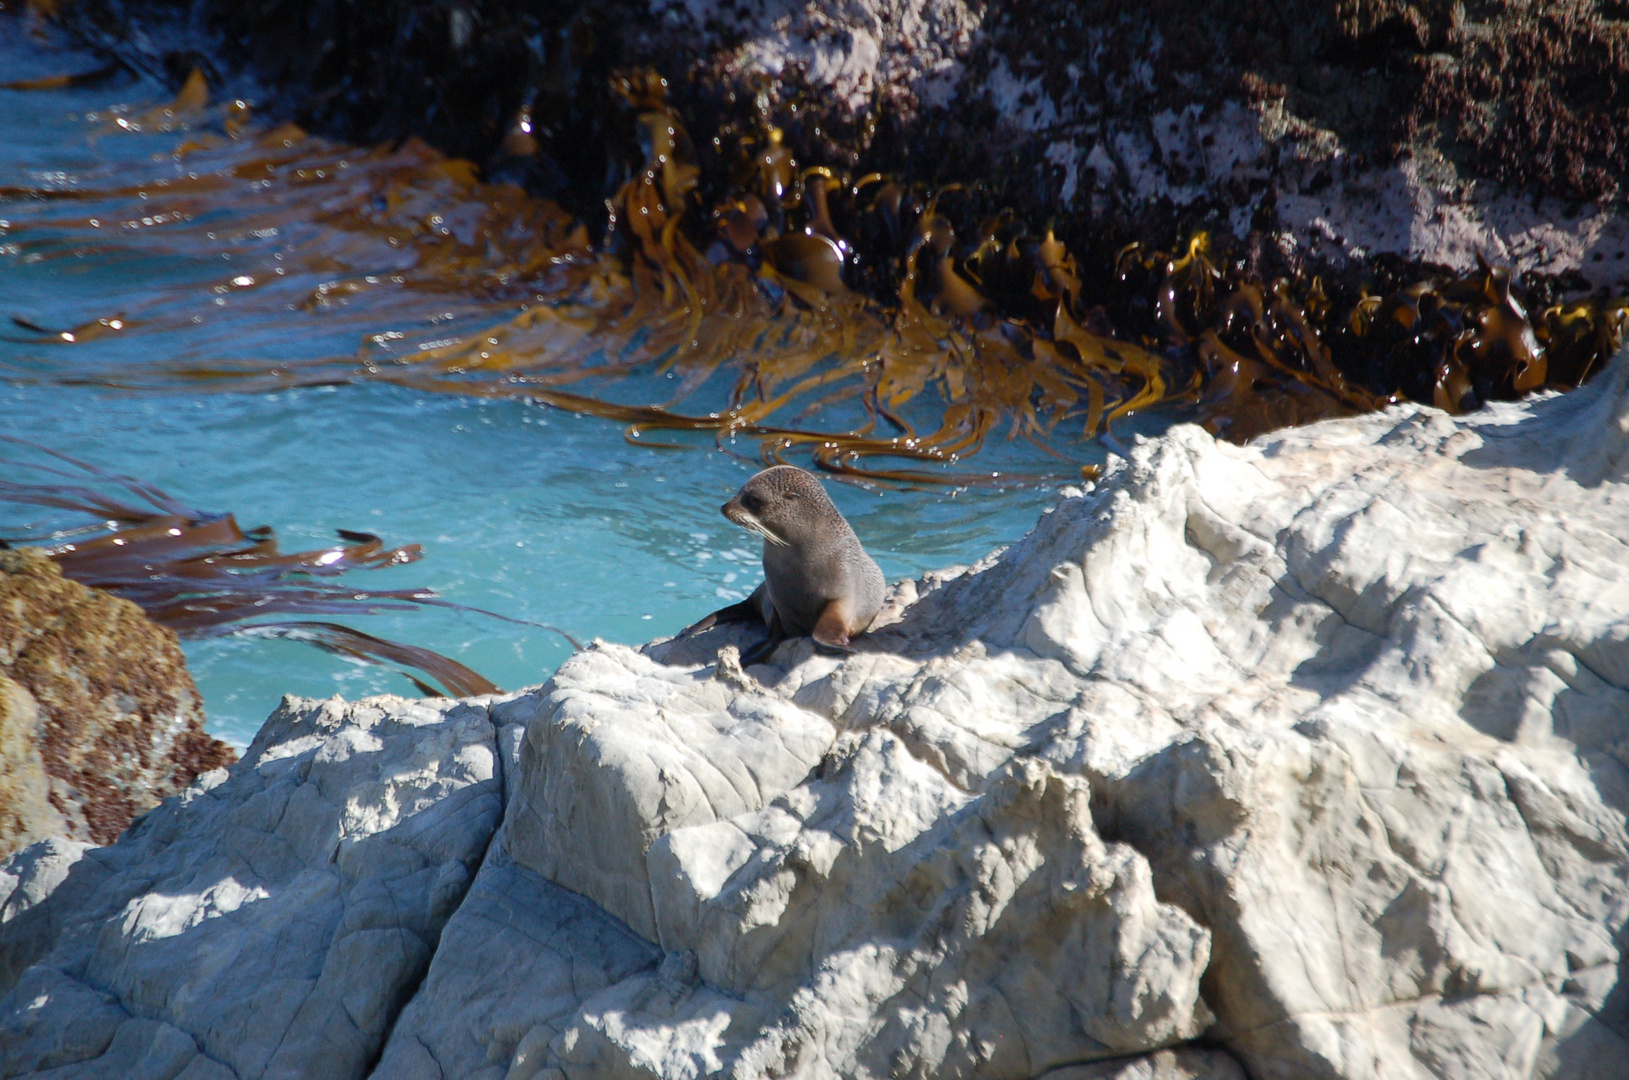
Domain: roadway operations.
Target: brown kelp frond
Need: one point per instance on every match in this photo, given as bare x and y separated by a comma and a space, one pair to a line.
78, 496
846, 320
203, 575
66, 80
455, 678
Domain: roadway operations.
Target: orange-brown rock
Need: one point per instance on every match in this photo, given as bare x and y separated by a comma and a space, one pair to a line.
99, 718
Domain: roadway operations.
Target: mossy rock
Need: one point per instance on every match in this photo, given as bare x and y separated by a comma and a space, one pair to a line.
99, 717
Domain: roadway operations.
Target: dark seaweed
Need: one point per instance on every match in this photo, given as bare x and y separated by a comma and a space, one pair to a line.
202, 575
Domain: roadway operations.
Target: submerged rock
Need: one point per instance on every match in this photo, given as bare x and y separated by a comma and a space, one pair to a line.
1308, 758
99, 719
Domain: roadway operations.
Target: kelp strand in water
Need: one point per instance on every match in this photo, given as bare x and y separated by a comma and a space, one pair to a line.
916, 324
203, 575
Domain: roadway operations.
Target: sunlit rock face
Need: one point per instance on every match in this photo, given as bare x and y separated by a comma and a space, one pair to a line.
267, 923
1306, 758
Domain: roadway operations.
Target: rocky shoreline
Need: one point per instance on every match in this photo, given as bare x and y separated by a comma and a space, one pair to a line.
1307, 758
1302, 759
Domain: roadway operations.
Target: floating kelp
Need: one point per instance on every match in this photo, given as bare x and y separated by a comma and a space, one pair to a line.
879, 329
458, 680
202, 575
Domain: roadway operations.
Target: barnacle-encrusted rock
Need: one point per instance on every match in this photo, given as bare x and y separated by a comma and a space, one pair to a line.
99, 719
26, 813
1308, 758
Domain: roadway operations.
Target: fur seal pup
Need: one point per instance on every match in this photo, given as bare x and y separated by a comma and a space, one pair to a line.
818, 580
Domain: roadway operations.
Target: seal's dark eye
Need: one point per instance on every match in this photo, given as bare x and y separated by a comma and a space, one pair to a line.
752, 502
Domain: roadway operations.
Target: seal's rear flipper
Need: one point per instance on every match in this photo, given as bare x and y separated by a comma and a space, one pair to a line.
760, 652
749, 610
831, 631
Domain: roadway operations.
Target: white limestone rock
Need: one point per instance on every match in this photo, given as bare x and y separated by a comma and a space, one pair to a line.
851, 909
516, 966
266, 925
1353, 701
1184, 1064
623, 749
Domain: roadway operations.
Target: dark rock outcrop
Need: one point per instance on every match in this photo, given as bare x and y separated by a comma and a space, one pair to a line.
1336, 131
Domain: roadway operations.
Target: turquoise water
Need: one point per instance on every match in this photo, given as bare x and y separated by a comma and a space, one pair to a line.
538, 514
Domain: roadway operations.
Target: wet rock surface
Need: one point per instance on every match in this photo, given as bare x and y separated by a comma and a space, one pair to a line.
99, 719
1308, 758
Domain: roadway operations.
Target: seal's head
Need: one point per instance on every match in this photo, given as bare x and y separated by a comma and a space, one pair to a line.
784, 505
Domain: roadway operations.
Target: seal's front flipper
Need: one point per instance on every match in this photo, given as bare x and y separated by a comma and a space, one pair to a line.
831, 631
749, 610
760, 652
